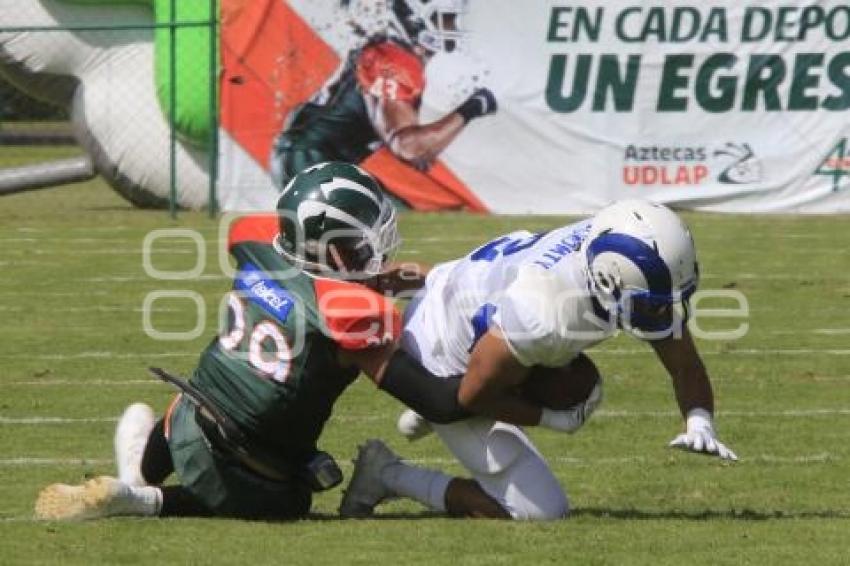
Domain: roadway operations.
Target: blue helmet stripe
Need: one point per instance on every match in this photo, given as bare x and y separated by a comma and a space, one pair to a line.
653, 268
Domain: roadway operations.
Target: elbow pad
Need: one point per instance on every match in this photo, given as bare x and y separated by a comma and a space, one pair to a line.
435, 398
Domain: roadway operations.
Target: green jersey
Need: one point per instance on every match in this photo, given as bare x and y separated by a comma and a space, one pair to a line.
336, 120
274, 368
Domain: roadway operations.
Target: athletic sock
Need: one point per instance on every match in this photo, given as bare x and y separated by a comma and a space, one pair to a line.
156, 462
144, 500
421, 484
178, 502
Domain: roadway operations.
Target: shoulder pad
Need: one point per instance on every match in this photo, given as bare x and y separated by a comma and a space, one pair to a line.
260, 228
356, 317
389, 71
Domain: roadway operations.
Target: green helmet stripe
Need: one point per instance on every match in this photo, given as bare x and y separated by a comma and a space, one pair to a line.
337, 207
340, 183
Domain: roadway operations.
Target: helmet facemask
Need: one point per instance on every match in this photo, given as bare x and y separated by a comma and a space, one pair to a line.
435, 25
360, 253
443, 28
641, 311
642, 267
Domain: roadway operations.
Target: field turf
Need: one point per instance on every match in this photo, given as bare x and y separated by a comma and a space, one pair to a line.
73, 353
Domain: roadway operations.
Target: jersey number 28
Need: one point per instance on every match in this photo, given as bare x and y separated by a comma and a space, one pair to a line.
267, 348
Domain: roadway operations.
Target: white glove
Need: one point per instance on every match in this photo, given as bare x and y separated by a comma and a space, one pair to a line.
700, 436
570, 420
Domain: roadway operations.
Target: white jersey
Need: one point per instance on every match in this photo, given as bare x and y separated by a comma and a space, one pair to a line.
533, 287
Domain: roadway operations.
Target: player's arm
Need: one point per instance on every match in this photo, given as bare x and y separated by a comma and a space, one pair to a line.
403, 377
399, 278
392, 80
492, 379
491, 387
694, 395
397, 124
366, 328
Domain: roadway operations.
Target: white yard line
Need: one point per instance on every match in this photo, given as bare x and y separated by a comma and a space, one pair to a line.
602, 414
145, 278
54, 420
82, 382
738, 352
12, 462
613, 352
93, 308
23, 292
816, 458
819, 331
100, 355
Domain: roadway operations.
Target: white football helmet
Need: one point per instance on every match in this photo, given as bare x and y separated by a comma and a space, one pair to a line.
436, 25
441, 21
641, 263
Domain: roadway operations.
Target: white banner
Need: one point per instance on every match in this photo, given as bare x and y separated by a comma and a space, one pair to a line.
722, 106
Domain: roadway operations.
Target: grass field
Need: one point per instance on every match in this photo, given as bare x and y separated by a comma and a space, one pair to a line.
73, 353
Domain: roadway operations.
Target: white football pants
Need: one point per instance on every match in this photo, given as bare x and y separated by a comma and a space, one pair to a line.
499, 456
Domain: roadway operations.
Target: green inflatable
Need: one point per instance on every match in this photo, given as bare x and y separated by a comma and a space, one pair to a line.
193, 70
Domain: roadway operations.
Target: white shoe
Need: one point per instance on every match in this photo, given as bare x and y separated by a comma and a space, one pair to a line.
101, 497
131, 437
412, 425
366, 488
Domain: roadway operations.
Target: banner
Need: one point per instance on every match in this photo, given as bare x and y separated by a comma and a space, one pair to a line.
720, 106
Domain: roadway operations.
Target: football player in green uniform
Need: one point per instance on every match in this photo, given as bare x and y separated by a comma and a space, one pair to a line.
374, 97
242, 434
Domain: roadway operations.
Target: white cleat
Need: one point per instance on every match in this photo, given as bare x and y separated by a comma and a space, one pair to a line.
412, 425
101, 497
131, 437
366, 488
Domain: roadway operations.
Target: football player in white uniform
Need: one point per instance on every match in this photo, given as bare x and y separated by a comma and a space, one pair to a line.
516, 306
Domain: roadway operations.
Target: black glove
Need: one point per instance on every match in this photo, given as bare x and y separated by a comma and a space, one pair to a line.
481, 103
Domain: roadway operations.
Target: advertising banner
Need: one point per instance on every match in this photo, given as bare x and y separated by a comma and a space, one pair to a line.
721, 106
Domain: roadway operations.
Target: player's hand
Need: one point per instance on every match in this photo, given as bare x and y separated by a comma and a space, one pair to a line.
399, 278
572, 419
700, 437
480, 103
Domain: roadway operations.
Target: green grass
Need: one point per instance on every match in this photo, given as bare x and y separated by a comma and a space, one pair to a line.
72, 346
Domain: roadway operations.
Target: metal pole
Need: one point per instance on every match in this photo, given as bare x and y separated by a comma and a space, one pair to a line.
213, 165
172, 109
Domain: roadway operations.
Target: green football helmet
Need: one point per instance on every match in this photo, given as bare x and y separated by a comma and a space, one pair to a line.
335, 221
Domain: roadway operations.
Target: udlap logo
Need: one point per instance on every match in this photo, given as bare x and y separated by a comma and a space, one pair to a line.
742, 165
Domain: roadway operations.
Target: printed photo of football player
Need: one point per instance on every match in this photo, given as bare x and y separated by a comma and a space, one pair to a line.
373, 99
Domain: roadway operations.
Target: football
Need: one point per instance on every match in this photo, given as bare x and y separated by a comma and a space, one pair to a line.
561, 387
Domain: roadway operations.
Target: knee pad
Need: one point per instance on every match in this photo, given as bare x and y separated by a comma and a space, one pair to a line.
483, 446
505, 446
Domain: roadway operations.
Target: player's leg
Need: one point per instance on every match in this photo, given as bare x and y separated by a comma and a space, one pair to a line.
143, 457
506, 467
109, 497
156, 463
131, 438
103, 496
219, 484
210, 485
511, 479
142, 454
379, 474
465, 498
